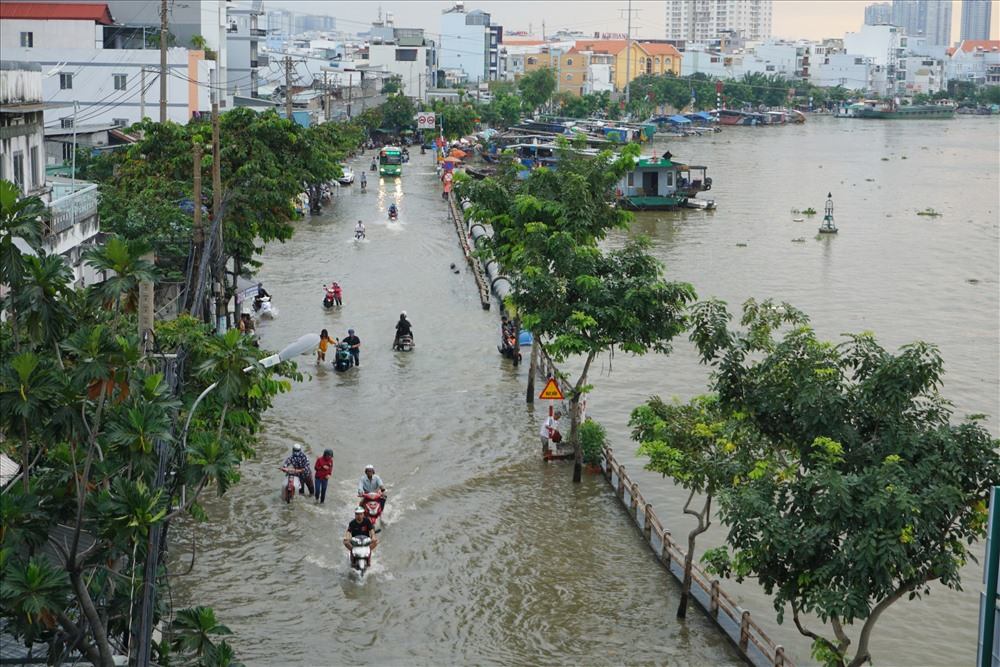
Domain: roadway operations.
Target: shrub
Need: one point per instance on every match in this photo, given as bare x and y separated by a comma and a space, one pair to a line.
592, 440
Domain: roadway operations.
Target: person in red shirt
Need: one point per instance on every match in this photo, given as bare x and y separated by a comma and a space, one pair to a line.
324, 468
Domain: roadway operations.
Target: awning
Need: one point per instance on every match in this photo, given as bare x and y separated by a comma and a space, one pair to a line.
679, 120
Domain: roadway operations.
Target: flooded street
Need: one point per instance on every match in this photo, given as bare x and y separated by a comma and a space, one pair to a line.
491, 557
488, 555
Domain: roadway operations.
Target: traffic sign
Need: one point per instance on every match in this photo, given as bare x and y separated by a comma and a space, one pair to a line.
551, 391
425, 121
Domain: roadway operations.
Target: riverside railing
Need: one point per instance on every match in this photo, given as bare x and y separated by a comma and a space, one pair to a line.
732, 619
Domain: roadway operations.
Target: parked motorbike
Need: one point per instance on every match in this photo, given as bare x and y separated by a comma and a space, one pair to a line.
403, 344
361, 554
373, 506
342, 359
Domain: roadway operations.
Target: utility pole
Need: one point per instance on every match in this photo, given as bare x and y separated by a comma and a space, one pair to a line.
218, 255
628, 53
327, 98
288, 87
163, 61
350, 93
197, 233
142, 93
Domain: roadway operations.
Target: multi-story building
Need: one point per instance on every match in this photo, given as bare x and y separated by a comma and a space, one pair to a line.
851, 71
879, 13
702, 20
613, 57
469, 42
108, 85
922, 74
975, 19
883, 46
406, 54
975, 61
929, 18
243, 35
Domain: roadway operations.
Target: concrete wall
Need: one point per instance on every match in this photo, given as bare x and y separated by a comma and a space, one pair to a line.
93, 88
48, 34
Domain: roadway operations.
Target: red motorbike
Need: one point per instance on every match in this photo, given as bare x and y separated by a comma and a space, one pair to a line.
292, 482
372, 502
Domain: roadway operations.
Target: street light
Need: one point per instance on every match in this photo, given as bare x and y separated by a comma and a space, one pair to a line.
309, 340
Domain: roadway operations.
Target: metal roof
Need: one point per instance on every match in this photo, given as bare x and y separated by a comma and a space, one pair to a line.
48, 11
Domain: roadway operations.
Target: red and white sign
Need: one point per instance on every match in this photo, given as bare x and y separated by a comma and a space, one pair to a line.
426, 121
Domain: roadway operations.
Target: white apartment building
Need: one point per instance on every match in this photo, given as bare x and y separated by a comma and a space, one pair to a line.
976, 61
405, 54
883, 46
851, 71
242, 36
470, 43
702, 20
922, 75
109, 85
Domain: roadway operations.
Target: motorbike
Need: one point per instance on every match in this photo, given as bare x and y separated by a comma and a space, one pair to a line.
403, 343
342, 359
359, 234
393, 214
263, 308
292, 482
509, 347
329, 299
373, 508
364, 185
361, 553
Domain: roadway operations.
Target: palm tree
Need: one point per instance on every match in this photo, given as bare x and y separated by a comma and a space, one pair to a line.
193, 630
123, 260
42, 303
35, 594
28, 389
20, 219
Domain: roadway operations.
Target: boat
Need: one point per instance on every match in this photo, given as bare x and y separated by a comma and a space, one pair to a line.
893, 111
734, 117
661, 183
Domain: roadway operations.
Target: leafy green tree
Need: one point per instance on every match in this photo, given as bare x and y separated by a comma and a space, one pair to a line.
537, 87
122, 261
398, 112
580, 299
193, 630
392, 86
871, 494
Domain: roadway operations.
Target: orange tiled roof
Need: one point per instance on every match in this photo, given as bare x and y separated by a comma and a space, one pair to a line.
524, 42
970, 45
654, 49
97, 12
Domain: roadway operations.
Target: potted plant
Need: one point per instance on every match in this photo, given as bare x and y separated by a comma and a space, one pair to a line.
592, 440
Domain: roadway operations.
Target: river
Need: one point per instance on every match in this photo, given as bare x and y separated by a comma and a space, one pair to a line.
490, 556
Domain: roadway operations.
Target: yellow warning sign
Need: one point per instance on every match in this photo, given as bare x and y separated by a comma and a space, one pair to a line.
551, 391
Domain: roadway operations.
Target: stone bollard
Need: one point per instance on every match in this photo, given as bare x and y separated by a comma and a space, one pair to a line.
779, 656
713, 606
647, 524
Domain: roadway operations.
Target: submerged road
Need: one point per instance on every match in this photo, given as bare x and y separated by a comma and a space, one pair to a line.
489, 556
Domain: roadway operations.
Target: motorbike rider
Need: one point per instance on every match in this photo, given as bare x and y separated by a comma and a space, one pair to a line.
261, 293
374, 163
364, 180
403, 328
298, 464
393, 211
360, 525
359, 230
338, 293
370, 483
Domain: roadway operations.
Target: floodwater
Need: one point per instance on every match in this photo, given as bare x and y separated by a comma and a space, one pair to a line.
491, 557
488, 555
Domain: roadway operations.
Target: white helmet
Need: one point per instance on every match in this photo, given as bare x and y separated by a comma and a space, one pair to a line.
296, 447
359, 510
369, 467
403, 313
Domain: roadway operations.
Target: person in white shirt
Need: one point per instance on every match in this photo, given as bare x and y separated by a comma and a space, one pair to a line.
549, 427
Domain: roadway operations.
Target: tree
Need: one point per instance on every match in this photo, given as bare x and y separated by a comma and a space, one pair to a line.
695, 445
392, 86
578, 298
871, 492
398, 112
537, 87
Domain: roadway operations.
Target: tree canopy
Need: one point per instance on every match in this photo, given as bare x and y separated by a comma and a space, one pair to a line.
537, 87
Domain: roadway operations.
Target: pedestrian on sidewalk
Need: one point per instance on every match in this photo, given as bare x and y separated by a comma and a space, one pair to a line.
324, 468
550, 431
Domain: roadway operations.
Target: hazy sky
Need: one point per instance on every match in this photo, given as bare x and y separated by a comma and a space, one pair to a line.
812, 19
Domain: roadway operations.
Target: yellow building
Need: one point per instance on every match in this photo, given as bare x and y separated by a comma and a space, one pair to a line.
575, 65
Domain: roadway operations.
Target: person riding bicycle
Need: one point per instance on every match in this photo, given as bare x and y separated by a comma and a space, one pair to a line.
298, 464
372, 483
403, 328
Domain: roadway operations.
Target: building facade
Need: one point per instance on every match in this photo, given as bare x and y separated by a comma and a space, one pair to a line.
879, 13
409, 56
701, 20
928, 18
22, 136
242, 37
976, 19
975, 61
469, 43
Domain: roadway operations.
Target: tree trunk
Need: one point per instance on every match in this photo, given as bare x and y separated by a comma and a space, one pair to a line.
532, 369
703, 523
574, 421
90, 611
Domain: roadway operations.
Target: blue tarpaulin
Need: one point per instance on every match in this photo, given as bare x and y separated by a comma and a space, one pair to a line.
700, 115
679, 120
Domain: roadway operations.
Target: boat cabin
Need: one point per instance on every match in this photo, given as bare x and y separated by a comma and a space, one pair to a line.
659, 183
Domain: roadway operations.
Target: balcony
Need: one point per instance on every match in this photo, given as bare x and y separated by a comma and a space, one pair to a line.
258, 32
70, 209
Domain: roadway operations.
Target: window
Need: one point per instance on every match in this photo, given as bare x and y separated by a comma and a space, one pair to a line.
67, 152
406, 55
27, 39
631, 179
569, 77
66, 122
120, 81
65, 81
120, 122
19, 170
569, 62
670, 179
656, 60
33, 164
666, 61
531, 61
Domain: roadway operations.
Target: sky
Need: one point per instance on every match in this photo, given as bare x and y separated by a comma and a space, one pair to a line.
810, 19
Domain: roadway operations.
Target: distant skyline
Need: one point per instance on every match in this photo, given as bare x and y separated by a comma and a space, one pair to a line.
809, 19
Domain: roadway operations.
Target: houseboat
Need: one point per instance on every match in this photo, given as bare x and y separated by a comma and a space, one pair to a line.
661, 183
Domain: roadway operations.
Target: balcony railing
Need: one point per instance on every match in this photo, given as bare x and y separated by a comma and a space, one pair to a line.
73, 208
